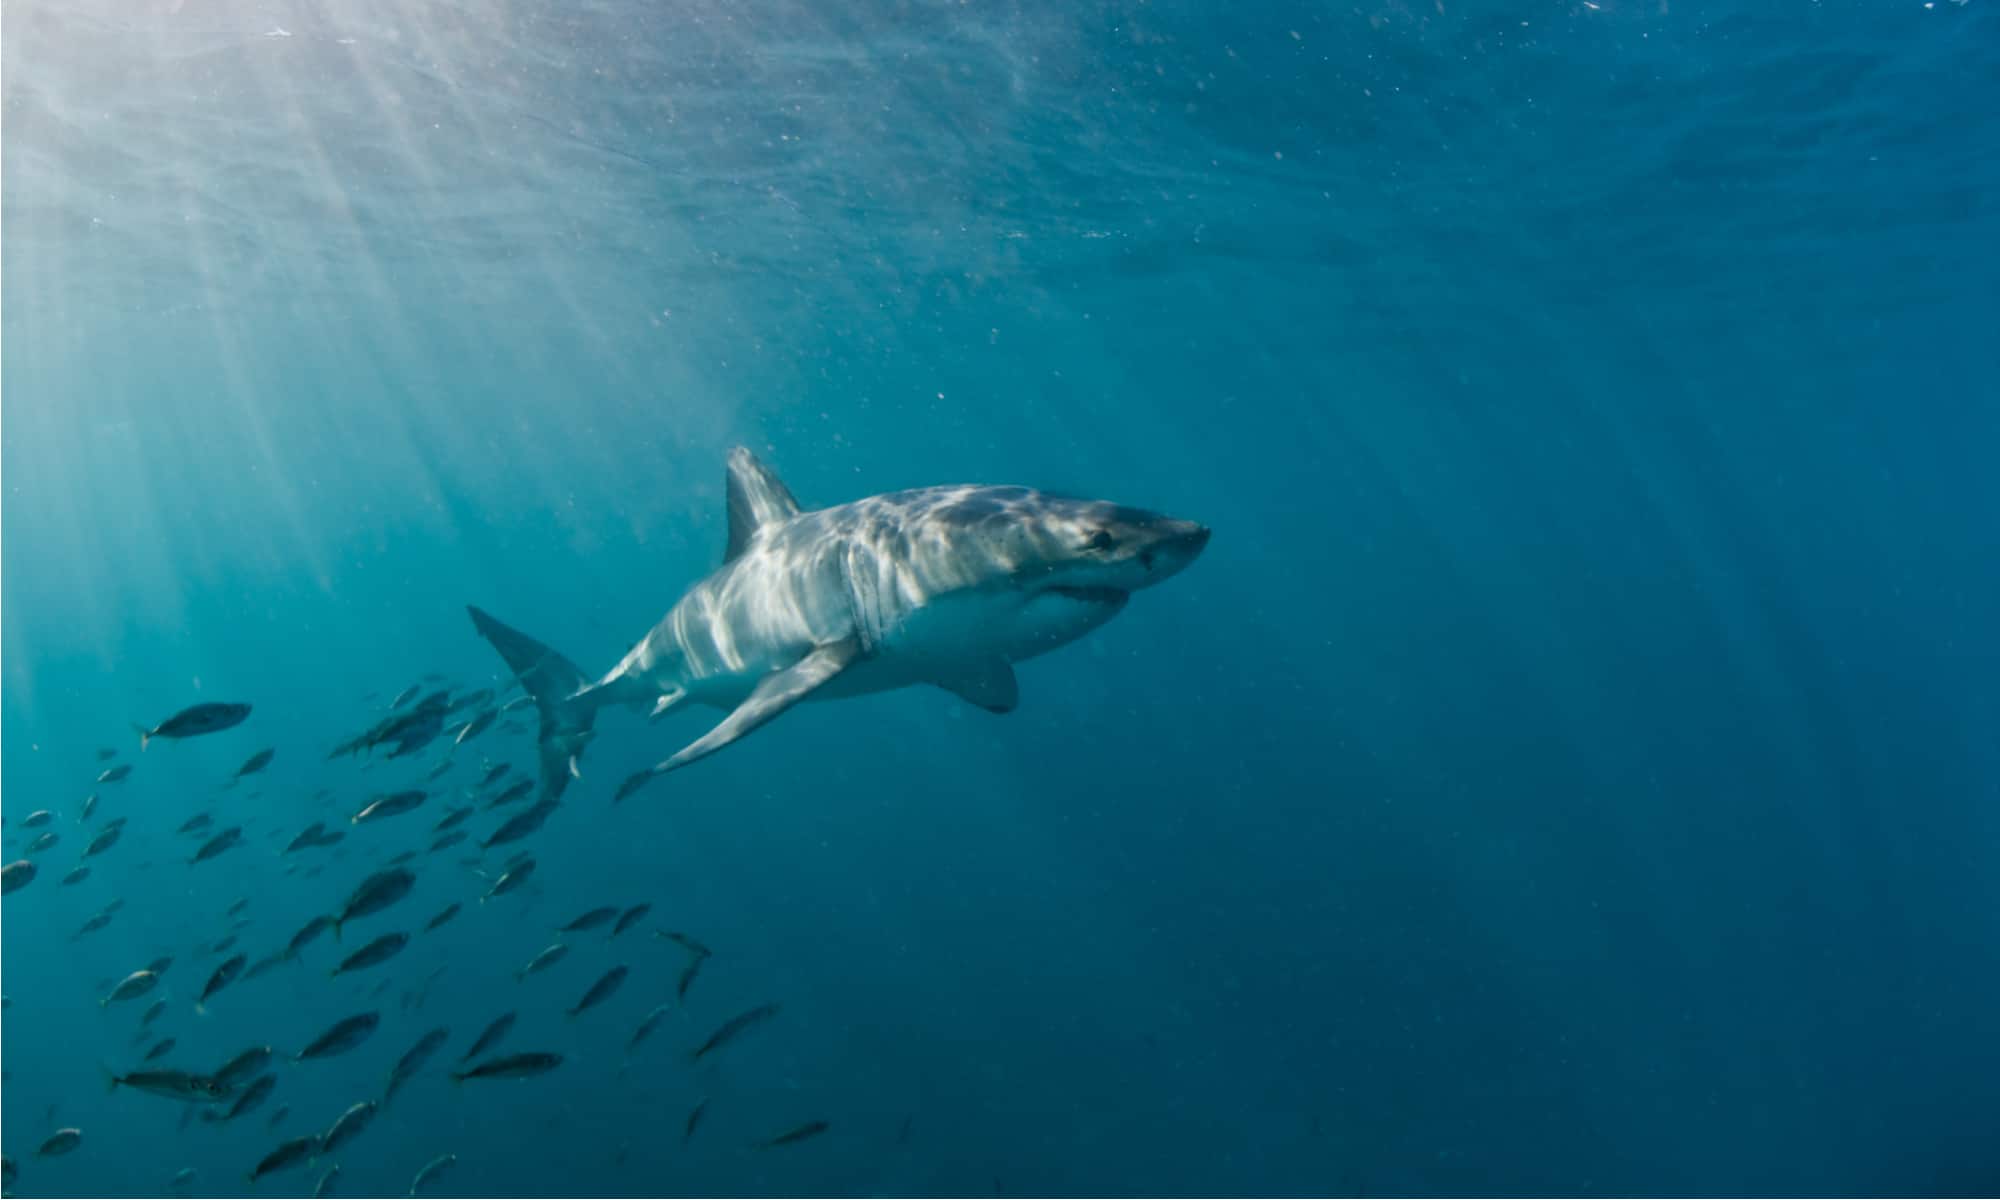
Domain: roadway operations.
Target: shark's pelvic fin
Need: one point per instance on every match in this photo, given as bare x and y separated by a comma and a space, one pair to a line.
667, 703
756, 497
778, 692
990, 685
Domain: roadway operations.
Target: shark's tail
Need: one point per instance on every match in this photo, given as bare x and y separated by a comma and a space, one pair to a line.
561, 693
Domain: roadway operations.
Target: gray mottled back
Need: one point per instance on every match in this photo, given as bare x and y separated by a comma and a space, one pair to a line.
860, 569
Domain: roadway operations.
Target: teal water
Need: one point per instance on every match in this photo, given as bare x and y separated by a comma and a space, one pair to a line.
1570, 769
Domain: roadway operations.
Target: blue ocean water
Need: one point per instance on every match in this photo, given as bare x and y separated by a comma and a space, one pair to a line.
1570, 769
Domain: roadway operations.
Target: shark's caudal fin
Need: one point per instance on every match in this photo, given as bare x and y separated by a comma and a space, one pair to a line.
561, 694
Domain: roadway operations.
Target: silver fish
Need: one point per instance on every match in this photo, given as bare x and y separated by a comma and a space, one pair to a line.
514, 791
374, 894
549, 957
471, 699
520, 825
297, 1152
391, 805
589, 920
512, 1066
217, 844
224, 976
511, 880
175, 1085
250, 1098
811, 1129
17, 875
687, 976
647, 1026
684, 942
476, 726
342, 1036
61, 1142
491, 1036
138, 983
379, 951
413, 1060
307, 838
735, 1026
244, 1065
106, 838
254, 764
267, 963
431, 1170
602, 990
196, 720
307, 934
630, 917
348, 1126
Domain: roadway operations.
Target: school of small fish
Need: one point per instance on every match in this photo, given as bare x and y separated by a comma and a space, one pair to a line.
380, 854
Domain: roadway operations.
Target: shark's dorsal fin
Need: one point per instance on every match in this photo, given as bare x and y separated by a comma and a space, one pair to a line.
756, 497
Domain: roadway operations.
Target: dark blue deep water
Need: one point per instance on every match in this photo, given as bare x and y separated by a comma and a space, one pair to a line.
1572, 767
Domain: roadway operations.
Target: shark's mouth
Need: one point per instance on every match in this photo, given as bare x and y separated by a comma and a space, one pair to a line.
1090, 595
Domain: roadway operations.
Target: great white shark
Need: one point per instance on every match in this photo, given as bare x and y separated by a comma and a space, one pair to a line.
943, 586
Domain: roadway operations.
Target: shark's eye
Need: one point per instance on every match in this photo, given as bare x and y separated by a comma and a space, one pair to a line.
1099, 541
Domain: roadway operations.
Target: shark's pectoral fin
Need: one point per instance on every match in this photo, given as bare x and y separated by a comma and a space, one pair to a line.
990, 685
778, 692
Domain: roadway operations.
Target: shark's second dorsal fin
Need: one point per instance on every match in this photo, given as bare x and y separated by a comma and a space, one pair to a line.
756, 497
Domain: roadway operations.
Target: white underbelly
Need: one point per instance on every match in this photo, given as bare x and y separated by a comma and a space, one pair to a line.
1010, 625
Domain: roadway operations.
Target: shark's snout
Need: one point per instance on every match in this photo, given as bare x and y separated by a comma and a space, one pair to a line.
1174, 545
